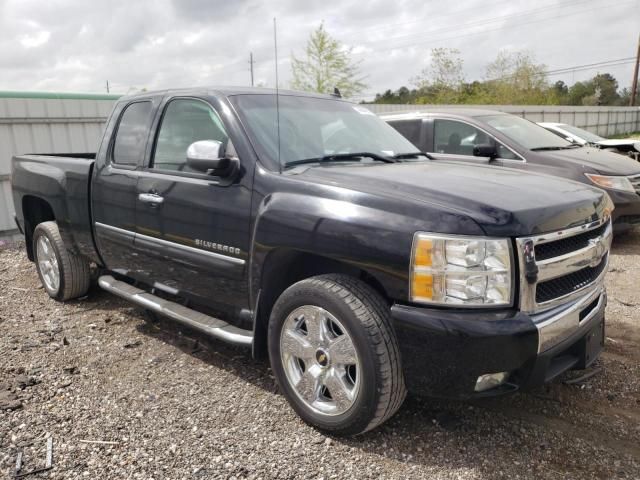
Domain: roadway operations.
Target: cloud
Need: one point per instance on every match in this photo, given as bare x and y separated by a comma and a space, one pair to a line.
34, 40
77, 45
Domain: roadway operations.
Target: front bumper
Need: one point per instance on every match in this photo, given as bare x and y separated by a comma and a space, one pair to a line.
444, 352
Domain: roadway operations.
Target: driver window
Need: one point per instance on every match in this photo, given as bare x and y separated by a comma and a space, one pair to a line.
185, 121
457, 138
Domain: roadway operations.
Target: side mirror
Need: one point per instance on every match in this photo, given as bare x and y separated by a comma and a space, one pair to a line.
208, 156
485, 150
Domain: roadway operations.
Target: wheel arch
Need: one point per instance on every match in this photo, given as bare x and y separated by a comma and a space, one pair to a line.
284, 267
35, 210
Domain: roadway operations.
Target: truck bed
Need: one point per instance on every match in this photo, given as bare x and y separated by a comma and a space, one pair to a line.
57, 183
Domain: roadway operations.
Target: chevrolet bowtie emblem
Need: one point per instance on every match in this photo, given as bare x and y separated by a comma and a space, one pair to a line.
598, 251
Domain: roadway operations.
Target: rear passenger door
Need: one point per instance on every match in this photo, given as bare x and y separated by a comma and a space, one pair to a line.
193, 227
114, 184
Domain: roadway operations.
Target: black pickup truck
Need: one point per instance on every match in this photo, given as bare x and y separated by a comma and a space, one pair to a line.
305, 227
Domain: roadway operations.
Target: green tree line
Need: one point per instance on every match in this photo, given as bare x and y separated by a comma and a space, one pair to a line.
512, 78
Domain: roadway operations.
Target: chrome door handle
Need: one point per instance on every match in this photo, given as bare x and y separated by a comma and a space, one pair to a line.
151, 198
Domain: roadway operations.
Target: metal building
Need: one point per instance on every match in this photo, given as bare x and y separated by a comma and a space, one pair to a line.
33, 122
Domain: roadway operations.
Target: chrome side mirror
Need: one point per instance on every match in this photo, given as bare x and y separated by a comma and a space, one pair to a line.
209, 156
205, 155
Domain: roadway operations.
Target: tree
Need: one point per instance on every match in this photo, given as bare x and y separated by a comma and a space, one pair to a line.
441, 81
607, 85
560, 91
327, 65
600, 90
516, 78
578, 91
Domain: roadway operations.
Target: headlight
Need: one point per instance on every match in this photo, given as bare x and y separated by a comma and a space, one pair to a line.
459, 270
613, 183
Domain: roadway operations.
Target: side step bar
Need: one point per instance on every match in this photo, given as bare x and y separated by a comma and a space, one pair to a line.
196, 320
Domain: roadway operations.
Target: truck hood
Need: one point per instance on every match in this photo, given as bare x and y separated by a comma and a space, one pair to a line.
606, 163
503, 202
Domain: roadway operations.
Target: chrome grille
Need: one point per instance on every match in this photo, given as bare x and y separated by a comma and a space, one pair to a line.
561, 286
559, 266
635, 181
566, 245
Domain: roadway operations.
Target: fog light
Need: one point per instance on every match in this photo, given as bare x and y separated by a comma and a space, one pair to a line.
490, 380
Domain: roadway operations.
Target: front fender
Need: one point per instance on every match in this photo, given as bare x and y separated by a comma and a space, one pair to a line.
367, 238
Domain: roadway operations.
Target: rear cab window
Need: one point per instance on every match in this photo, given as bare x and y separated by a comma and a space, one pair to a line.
131, 136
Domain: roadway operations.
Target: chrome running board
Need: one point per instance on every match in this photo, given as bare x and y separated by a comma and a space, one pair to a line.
186, 316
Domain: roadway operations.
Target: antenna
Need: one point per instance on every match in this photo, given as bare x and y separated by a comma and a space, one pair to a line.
251, 62
275, 46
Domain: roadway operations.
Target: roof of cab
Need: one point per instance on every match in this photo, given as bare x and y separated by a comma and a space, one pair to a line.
430, 111
229, 91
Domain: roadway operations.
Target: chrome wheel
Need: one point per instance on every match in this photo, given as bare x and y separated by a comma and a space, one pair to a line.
320, 360
48, 264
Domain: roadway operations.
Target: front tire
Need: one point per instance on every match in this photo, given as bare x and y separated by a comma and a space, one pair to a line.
64, 275
335, 355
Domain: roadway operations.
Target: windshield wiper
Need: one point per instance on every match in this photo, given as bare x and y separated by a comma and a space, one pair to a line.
404, 156
566, 147
342, 157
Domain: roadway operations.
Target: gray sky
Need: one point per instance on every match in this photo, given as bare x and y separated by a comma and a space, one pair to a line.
71, 45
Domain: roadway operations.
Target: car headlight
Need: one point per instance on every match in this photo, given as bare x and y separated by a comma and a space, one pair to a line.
460, 270
612, 183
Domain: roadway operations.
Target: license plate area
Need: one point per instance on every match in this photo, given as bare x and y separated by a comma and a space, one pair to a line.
592, 344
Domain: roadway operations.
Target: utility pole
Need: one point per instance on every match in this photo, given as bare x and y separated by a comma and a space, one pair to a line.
107, 86
251, 66
634, 85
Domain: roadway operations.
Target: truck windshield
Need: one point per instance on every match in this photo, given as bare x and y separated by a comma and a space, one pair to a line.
314, 128
526, 133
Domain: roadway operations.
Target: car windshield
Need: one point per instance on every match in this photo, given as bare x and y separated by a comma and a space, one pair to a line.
580, 133
528, 134
313, 128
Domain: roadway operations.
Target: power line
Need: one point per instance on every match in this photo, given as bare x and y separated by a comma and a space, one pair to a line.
429, 19
479, 23
453, 37
486, 21
586, 66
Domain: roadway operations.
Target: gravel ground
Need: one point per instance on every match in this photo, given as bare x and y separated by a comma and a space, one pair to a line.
175, 406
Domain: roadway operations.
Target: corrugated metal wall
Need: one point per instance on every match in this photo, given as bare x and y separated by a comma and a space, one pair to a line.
69, 123
604, 121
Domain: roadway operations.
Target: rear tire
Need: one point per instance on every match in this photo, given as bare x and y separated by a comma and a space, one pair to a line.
64, 275
348, 379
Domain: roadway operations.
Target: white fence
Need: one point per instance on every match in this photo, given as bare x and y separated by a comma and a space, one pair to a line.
604, 121
45, 123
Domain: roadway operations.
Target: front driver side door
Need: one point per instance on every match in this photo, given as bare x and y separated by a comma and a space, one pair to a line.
193, 227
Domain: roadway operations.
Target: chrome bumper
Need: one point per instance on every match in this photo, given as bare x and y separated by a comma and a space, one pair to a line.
561, 322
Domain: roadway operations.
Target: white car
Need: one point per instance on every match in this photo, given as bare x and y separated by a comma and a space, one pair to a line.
629, 146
